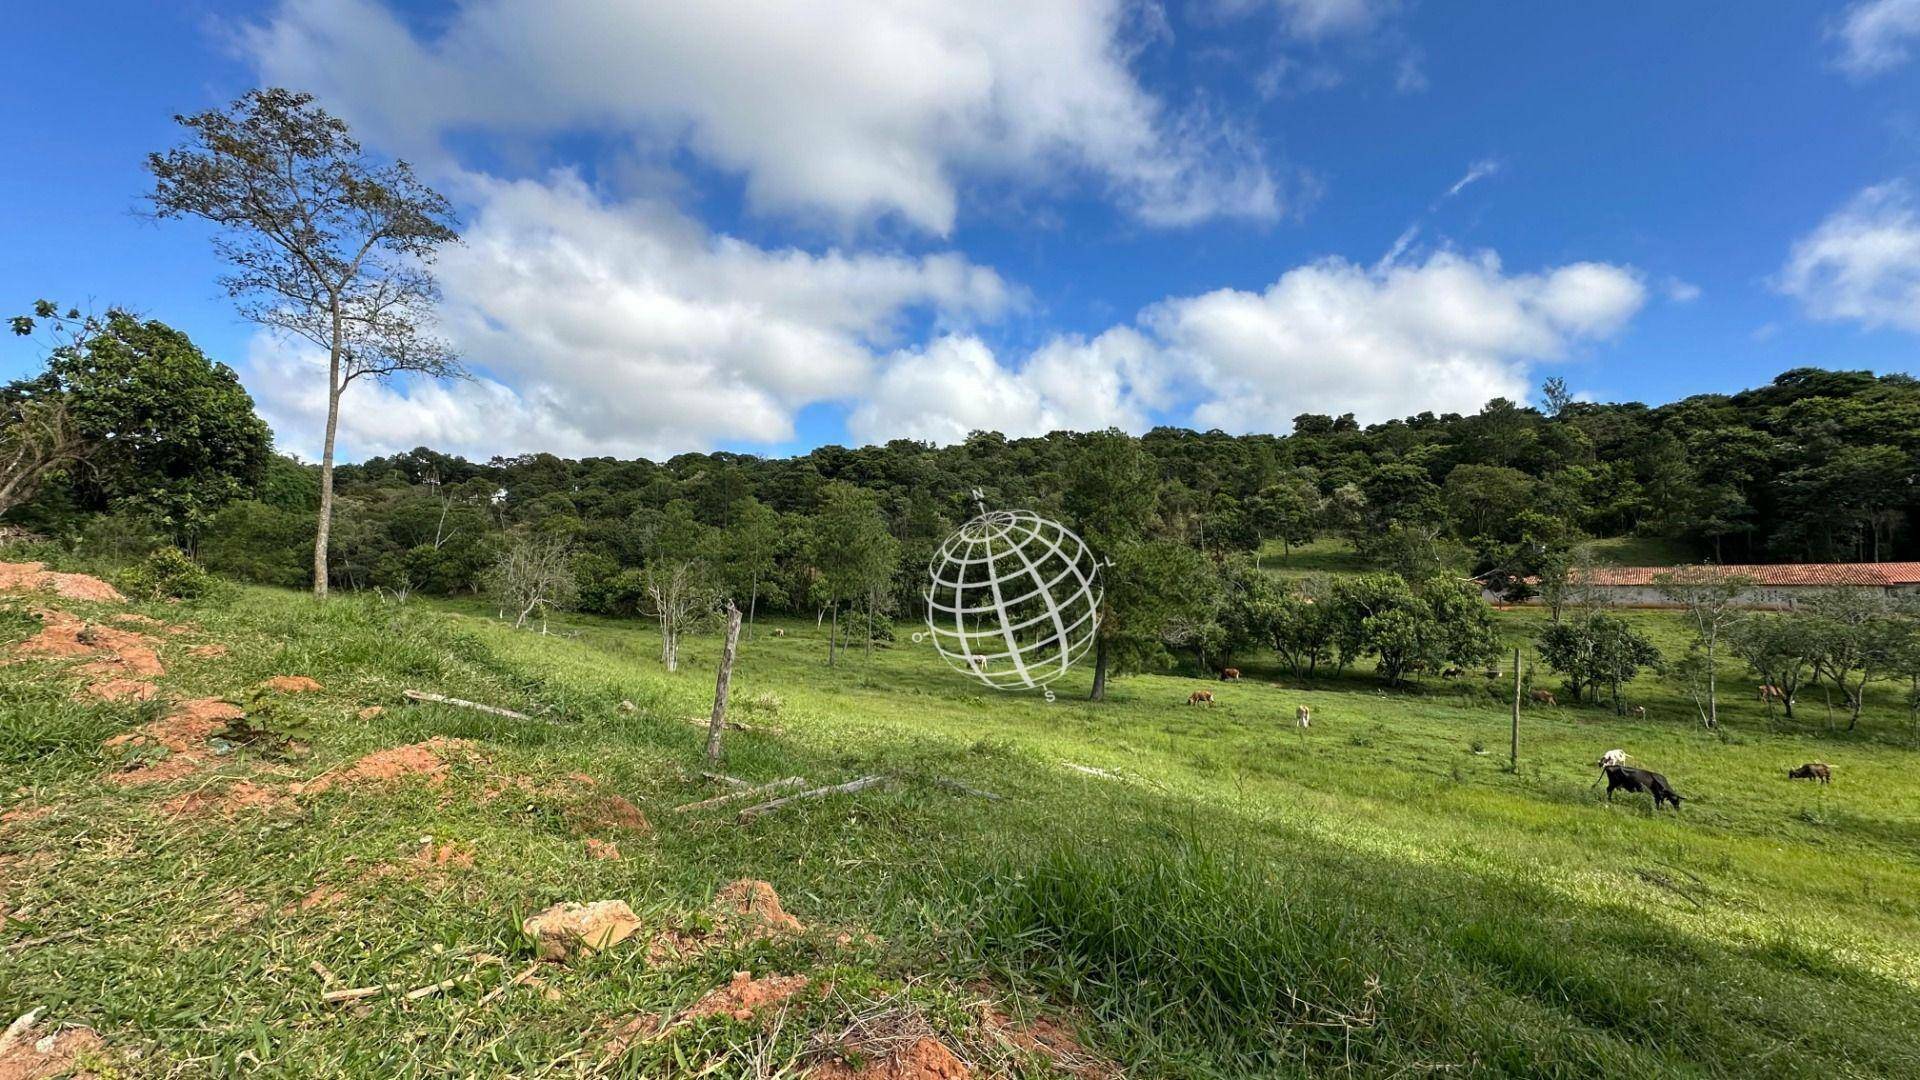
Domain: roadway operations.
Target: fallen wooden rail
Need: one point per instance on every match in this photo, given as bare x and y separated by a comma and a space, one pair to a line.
847, 788
442, 699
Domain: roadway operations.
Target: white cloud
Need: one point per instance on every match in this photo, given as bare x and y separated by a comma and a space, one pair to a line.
955, 386
839, 109
1445, 335
1315, 19
1862, 263
1877, 36
1682, 292
1475, 173
632, 330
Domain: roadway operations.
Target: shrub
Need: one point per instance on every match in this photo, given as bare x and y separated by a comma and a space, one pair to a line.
167, 574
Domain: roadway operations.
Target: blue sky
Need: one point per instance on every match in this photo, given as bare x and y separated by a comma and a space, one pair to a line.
843, 222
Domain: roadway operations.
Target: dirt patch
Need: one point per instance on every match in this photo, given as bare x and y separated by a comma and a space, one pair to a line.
926, 1058
24, 815
29, 1051
370, 712
174, 746
1047, 1039
746, 996
318, 898
228, 802
603, 849
751, 906
446, 856
567, 930
290, 684
35, 577
745, 910
184, 729
210, 651
427, 759
611, 813
112, 653
121, 690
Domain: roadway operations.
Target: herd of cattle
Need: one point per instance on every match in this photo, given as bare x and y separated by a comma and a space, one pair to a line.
1619, 775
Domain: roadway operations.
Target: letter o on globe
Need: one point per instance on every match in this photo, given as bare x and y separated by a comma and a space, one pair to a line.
1013, 599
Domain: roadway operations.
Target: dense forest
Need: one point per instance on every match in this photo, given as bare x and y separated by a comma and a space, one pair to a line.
136, 440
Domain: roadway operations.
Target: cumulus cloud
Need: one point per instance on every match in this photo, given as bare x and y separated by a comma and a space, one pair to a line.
631, 329
956, 385
1446, 334
840, 109
1862, 263
1877, 36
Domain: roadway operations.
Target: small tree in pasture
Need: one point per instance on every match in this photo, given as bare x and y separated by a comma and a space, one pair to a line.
678, 580
1709, 598
1856, 639
325, 244
534, 574
1778, 648
1594, 652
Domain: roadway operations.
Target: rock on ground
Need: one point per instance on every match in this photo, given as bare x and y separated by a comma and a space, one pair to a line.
567, 929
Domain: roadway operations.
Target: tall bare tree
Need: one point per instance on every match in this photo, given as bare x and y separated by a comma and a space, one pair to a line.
325, 244
534, 574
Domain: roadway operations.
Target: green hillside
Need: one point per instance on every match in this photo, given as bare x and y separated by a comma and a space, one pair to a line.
1194, 891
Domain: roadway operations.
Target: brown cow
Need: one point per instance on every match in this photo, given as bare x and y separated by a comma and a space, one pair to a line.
1542, 697
1638, 712
1200, 697
1770, 692
779, 632
1303, 716
1231, 674
1812, 770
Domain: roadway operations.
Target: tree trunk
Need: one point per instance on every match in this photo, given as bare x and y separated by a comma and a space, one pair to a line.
833, 635
717, 723
869, 628
324, 527
1513, 748
1099, 671
753, 602
1713, 702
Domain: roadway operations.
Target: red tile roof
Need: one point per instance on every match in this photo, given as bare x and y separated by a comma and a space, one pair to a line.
1878, 575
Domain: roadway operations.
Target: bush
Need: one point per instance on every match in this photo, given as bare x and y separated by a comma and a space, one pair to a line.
167, 574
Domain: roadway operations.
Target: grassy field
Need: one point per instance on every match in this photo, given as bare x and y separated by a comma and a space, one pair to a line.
1197, 892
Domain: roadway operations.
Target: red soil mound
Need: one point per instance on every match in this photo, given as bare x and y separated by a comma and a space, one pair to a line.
291, 684
926, 1058
752, 906
427, 759
746, 995
182, 733
121, 690
229, 802
613, 813
35, 577
116, 653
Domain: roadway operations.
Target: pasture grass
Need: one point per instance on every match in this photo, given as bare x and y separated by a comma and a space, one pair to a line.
1223, 896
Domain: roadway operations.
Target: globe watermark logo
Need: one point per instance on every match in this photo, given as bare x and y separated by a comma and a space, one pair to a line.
1013, 600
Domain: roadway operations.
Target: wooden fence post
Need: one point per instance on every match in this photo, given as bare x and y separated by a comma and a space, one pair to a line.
1513, 751
717, 724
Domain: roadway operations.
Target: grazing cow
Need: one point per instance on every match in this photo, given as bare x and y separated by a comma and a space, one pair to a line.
1812, 770
1613, 757
1770, 692
1491, 673
1638, 712
1303, 716
779, 632
1452, 673
1543, 697
1632, 779
978, 664
1231, 674
1201, 697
